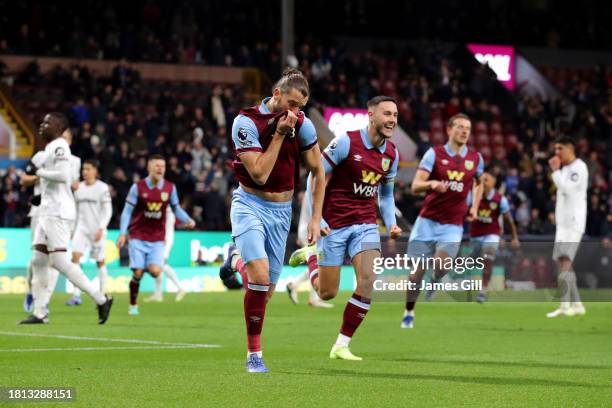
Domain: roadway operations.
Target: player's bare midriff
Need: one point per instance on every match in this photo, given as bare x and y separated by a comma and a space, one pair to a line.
269, 196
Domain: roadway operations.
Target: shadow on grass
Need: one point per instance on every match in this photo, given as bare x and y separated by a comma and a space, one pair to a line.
527, 364
503, 381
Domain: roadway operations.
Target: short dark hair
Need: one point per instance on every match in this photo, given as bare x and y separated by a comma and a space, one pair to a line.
62, 120
566, 140
489, 169
293, 79
452, 119
375, 101
156, 156
92, 162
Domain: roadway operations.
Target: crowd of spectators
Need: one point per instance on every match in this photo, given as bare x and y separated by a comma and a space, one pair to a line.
240, 33
121, 119
429, 86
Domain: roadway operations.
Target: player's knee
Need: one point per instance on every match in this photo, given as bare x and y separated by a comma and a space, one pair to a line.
39, 259
327, 293
59, 260
137, 273
154, 270
365, 283
259, 279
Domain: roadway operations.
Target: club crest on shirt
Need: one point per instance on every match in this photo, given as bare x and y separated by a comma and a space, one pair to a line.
385, 163
469, 164
164, 196
59, 151
493, 205
574, 177
243, 137
333, 145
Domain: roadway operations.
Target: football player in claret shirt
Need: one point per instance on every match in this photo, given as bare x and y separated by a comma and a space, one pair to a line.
446, 174
485, 229
269, 139
363, 164
144, 216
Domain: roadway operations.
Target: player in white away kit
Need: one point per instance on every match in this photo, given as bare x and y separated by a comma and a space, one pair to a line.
571, 176
158, 296
57, 213
94, 211
31, 179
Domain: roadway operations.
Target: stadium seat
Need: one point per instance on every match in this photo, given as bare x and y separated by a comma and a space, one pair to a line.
481, 127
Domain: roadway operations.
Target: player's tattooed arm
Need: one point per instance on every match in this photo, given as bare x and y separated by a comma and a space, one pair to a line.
477, 190
126, 215
313, 162
422, 183
513, 231
180, 213
259, 164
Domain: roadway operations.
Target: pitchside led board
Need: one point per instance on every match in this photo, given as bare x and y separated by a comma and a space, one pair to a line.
500, 58
195, 256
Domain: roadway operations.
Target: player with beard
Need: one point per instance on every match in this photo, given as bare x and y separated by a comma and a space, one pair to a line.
270, 140
362, 165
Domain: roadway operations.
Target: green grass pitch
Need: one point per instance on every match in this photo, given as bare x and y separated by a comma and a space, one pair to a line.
459, 354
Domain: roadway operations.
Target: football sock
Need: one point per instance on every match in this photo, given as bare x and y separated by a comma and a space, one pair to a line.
40, 281
134, 287
565, 282
75, 275
300, 279
171, 274
254, 313
102, 278
355, 311
486, 273
53, 277
574, 294
313, 268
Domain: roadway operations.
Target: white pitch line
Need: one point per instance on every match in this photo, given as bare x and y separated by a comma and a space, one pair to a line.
28, 350
154, 342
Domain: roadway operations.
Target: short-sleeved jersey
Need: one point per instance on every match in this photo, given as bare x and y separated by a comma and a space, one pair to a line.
94, 207
572, 182
491, 207
148, 221
56, 197
358, 169
253, 129
459, 170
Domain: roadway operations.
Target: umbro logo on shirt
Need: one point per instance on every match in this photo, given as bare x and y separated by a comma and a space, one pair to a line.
357, 157
444, 162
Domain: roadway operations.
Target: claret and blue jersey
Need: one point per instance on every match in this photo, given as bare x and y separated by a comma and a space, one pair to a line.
360, 173
439, 225
259, 227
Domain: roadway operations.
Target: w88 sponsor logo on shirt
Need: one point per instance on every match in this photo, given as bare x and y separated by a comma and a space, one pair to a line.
455, 177
369, 184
